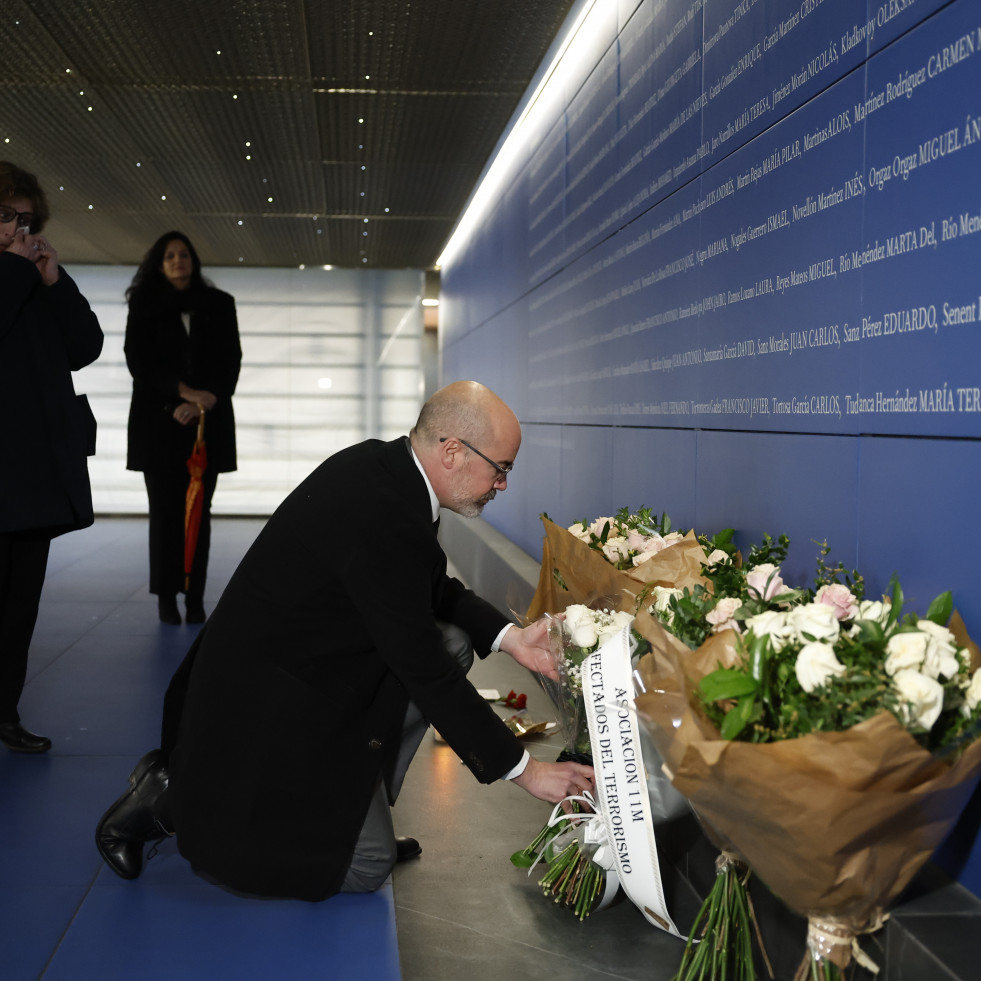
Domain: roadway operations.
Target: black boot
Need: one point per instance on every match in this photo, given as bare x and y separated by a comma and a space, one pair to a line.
167, 609
195, 610
14, 736
131, 822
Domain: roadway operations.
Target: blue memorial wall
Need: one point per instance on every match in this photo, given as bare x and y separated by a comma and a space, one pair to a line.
732, 271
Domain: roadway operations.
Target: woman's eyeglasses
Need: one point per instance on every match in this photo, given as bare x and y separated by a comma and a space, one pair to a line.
23, 218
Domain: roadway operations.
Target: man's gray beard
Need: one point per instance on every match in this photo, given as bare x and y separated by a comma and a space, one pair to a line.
473, 509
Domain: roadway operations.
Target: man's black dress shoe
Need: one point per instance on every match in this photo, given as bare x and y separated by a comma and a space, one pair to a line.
167, 610
406, 848
131, 822
14, 736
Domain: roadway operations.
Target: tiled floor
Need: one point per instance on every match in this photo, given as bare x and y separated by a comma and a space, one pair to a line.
99, 666
98, 670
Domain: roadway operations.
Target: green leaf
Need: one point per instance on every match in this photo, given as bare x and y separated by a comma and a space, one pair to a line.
897, 602
726, 683
522, 860
722, 540
870, 633
736, 719
941, 609
757, 657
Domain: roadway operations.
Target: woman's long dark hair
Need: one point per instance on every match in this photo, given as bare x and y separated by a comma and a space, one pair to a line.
150, 280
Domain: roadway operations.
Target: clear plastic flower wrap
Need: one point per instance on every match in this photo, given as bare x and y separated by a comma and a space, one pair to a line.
573, 636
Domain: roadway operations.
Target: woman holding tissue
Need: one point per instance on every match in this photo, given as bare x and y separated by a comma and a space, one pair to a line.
47, 331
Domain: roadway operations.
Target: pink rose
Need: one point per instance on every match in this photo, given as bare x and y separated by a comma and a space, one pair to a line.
764, 580
615, 549
599, 524
636, 540
721, 616
840, 599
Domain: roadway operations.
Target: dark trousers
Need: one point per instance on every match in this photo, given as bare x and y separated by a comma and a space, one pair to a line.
375, 853
23, 563
166, 490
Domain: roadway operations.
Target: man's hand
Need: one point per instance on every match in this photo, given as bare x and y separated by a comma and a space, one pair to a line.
553, 782
529, 647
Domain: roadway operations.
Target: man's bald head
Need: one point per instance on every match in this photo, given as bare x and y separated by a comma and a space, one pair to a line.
466, 410
466, 439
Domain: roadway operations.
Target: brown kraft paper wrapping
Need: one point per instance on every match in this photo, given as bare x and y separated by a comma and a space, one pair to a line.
591, 579
837, 823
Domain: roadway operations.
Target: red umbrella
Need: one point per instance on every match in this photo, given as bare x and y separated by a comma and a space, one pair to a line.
197, 463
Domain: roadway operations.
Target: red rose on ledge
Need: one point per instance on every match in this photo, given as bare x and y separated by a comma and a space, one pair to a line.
516, 701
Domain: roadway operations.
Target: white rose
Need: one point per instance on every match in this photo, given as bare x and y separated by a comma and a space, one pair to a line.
941, 651
816, 664
581, 625
905, 651
816, 620
873, 610
924, 697
622, 619
579, 531
671, 538
662, 601
972, 697
612, 625
717, 555
616, 549
773, 624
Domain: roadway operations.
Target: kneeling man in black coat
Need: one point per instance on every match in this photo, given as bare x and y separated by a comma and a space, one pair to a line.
290, 724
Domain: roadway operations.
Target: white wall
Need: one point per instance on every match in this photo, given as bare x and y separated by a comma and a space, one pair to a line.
361, 329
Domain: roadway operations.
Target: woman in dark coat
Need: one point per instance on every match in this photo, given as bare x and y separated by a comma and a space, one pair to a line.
47, 331
182, 349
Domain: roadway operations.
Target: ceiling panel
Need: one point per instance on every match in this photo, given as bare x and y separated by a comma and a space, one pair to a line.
140, 117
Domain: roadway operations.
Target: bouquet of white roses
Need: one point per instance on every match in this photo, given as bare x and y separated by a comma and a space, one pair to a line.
833, 743
735, 594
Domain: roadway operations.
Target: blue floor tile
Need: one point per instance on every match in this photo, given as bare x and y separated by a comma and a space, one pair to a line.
159, 933
33, 920
100, 663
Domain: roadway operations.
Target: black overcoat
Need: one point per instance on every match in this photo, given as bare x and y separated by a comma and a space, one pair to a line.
46, 333
299, 682
161, 353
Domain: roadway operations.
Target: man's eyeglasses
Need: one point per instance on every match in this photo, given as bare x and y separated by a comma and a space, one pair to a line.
502, 472
23, 218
